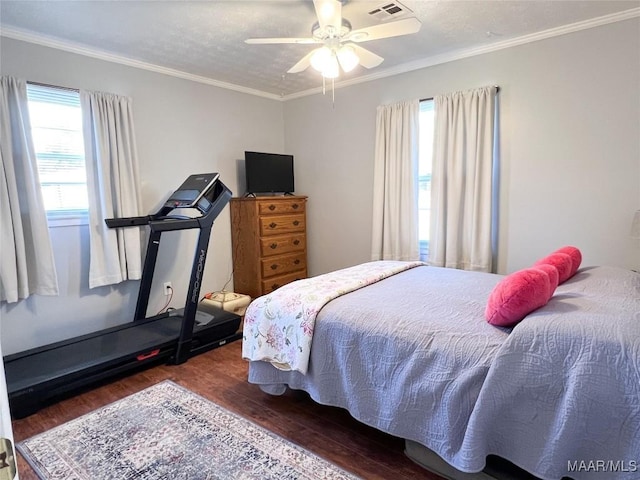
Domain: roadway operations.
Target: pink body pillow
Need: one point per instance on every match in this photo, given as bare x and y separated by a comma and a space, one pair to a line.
517, 295
554, 276
562, 261
576, 257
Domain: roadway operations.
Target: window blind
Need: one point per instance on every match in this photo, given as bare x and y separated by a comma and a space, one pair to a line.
56, 127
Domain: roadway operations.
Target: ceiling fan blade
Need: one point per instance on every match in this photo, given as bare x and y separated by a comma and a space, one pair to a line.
368, 59
405, 26
304, 41
329, 13
303, 64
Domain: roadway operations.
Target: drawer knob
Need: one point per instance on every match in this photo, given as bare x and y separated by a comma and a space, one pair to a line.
273, 246
296, 261
272, 207
273, 225
296, 242
296, 223
274, 266
274, 286
294, 206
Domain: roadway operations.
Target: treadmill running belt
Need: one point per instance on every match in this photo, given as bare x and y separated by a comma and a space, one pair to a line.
90, 352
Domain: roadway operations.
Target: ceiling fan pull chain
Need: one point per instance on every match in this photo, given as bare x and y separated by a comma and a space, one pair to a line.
333, 92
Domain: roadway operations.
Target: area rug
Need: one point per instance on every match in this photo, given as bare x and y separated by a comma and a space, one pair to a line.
167, 432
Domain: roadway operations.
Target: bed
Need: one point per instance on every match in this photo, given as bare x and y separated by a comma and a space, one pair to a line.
411, 354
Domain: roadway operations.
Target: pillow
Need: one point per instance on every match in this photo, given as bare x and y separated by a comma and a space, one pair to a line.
554, 276
561, 261
517, 295
576, 257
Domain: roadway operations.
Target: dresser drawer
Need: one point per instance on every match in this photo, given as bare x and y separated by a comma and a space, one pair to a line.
271, 284
277, 207
278, 225
285, 264
294, 242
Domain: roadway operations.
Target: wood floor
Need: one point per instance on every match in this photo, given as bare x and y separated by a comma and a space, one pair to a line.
221, 376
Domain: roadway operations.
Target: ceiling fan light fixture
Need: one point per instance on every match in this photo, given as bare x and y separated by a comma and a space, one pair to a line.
321, 58
348, 58
332, 69
324, 60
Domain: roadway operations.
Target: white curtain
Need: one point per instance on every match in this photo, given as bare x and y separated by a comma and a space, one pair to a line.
26, 259
395, 183
462, 186
113, 186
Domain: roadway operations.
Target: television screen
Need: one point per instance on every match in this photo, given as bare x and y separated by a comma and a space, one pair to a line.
268, 172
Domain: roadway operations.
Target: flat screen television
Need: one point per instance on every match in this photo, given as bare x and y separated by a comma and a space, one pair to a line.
268, 172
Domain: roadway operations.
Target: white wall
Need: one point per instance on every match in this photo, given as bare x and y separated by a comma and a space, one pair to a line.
182, 127
570, 149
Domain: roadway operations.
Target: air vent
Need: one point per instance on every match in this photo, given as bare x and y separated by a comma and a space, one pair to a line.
390, 10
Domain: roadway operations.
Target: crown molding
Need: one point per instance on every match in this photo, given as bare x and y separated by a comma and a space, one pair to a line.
472, 52
30, 37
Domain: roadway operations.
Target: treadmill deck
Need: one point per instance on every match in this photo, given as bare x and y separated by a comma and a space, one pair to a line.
40, 374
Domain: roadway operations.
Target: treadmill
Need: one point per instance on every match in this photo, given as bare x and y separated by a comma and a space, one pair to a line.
43, 375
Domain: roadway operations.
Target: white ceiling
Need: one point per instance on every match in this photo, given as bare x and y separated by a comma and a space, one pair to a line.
204, 40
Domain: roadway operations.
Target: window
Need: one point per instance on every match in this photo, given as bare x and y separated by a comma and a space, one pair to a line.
424, 175
56, 127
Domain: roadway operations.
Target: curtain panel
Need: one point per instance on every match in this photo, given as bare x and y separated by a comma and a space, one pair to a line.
395, 187
462, 180
26, 259
113, 187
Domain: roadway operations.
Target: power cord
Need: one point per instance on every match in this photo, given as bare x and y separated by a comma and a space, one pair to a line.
166, 305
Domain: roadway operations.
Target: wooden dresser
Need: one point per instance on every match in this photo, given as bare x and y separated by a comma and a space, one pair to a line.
269, 242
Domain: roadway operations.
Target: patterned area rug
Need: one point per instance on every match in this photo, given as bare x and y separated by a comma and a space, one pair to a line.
168, 432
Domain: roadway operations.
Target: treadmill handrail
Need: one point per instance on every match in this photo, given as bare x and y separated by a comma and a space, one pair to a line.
128, 221
168, 224
160, 224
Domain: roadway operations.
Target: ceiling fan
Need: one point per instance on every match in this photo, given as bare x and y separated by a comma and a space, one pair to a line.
339, 42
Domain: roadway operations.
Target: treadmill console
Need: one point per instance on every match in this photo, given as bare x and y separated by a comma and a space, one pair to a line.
192, 191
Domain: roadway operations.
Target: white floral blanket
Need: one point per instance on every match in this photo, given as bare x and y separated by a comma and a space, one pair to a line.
278, 327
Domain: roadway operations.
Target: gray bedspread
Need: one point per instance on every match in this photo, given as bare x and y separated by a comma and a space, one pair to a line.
413, 356
562, 397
